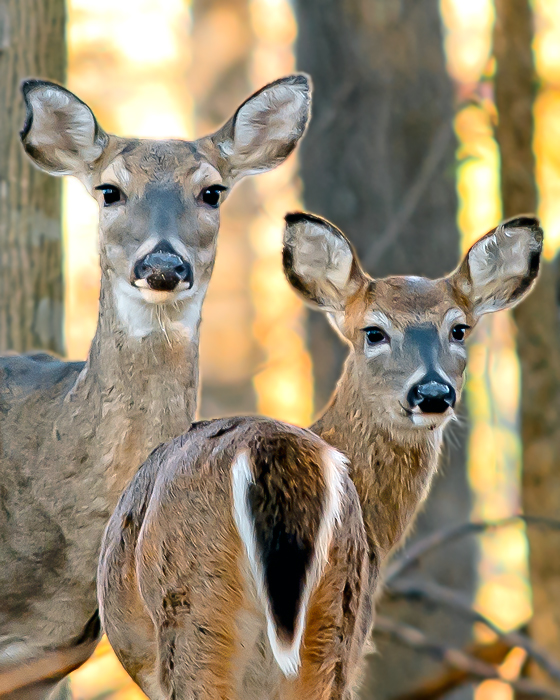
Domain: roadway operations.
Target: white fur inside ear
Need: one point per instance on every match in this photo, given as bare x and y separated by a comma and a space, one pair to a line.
322, 257
497, 260
64, 127
503, 254
275, 114
52, 98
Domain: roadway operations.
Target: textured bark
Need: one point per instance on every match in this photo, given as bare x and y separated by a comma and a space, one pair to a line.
539, 351
32, 44
537, 318
379, 154
515, 93
378, 161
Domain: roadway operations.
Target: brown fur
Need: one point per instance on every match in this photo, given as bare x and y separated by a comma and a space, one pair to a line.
188, 526
287, 500
191, 523
73, 434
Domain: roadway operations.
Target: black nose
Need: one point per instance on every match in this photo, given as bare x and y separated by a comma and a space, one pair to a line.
163, 270
432, 397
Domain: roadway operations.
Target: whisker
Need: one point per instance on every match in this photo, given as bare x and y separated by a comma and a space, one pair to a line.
159, 313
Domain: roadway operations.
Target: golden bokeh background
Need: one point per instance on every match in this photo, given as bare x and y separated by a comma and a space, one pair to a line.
149, 68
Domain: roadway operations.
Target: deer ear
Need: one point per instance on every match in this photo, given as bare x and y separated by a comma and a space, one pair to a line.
60, 133
501, 268
266, 128
319, 262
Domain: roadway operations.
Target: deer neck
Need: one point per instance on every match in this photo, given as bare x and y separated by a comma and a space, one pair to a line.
140, 383
391, 471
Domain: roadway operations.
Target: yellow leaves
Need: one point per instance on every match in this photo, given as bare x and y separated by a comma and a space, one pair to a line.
103, 676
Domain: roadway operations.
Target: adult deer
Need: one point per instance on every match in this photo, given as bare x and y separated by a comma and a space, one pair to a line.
243, 558
72, 434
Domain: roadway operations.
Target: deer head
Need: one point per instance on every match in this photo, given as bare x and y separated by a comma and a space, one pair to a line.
159, 200
407, 334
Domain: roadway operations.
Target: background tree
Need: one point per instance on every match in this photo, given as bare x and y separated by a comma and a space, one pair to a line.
32, 44
219, 82
379, 161
537, 318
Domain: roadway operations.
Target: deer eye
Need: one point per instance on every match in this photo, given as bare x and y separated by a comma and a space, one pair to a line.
458, 332
111, 194
375, 335
211, 195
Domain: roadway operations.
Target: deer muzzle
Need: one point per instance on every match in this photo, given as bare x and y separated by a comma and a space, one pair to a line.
432, 397
163, 271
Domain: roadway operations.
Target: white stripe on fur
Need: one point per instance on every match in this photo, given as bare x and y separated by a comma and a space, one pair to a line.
334, 465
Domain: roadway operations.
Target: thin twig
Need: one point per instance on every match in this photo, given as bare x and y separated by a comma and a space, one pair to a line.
456, 658
421, 547
450, 679
446, 597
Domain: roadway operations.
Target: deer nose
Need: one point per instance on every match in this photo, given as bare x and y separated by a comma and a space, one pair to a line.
163, 271
432, 397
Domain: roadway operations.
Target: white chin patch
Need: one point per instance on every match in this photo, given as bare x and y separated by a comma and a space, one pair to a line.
151, 296
145, 311
430, 420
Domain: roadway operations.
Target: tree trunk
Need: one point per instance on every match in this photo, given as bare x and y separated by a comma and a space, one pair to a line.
32, 44
537, 319
379, 161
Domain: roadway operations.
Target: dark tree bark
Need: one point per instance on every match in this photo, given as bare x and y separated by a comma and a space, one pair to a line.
32, 44
379, 155
537, 318
379, 161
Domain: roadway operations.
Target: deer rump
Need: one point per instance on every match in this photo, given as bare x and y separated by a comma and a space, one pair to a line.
276, 489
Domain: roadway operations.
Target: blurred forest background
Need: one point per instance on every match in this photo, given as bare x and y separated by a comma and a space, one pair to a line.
432, 120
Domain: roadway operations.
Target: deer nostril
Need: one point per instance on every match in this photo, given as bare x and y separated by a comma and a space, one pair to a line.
141, 270
185, 273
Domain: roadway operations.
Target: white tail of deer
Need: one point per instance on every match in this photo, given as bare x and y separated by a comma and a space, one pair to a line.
73, 434
243, 559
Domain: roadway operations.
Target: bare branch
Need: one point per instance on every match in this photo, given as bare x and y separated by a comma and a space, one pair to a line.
433, 592
452, 678
444, 536
455, 658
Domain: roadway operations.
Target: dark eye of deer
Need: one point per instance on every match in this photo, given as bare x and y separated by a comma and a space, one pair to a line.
375, 335
111, 194
458, 332
211, 195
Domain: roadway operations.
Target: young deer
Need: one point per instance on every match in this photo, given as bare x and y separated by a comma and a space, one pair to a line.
72, 434
243, 558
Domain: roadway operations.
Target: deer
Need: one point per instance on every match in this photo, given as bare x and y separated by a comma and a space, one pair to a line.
72, 434
243, 559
